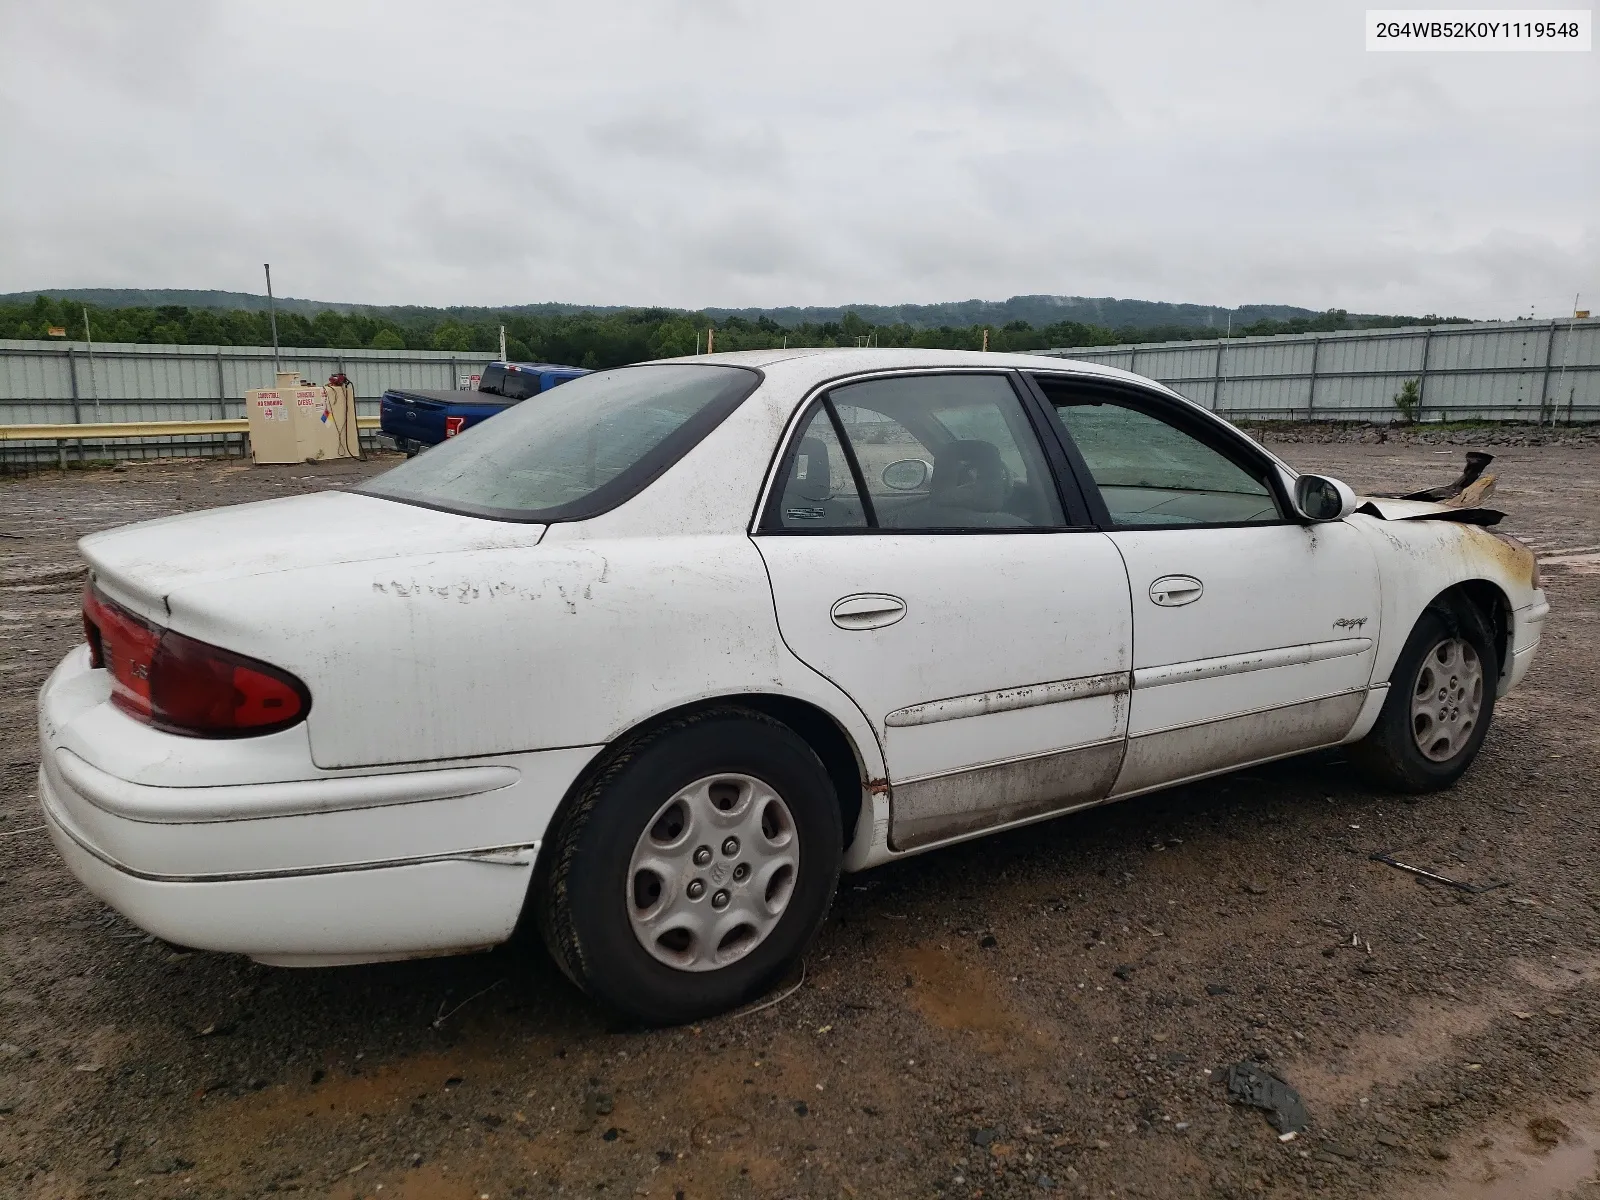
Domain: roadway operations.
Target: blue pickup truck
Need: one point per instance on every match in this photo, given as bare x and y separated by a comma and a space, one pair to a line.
415, 420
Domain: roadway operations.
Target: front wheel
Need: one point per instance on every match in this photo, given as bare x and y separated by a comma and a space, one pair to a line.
694, 868
1440, 703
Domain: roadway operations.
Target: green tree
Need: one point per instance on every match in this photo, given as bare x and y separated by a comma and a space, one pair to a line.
328, 328
1409, 400
672, 339
452, 335
204, 329
388, 339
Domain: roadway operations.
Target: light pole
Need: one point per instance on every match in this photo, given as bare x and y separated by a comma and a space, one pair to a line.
272, 310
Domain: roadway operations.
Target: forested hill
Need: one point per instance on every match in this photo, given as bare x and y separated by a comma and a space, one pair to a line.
1105, 312
605, 337
1102, 311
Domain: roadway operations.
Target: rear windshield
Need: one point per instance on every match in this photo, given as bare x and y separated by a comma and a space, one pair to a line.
489, 381
581, 449
519, 385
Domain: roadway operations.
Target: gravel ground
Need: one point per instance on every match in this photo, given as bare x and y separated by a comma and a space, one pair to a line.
1037, 1013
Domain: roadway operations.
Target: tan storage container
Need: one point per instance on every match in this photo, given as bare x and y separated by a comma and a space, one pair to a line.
272, 437
297, 422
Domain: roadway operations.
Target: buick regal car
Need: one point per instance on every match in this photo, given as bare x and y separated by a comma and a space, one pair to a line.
650, 663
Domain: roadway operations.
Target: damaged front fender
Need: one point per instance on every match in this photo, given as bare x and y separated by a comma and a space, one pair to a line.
1460, 500
1389, 509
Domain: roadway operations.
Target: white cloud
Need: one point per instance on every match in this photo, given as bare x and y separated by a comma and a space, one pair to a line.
735, 153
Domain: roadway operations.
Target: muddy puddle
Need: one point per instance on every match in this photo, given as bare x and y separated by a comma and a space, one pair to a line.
1545, 1158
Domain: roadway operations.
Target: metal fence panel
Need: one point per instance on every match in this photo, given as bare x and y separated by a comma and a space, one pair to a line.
1545, 371
65, 383
1541, 371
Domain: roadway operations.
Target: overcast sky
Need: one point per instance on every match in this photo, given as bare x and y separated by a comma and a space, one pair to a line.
719, 152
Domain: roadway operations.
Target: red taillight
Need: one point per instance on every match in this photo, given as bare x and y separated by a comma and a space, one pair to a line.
123, 644
183, 686
452, 425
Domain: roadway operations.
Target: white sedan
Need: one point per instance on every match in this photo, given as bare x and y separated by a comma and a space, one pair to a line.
652, 660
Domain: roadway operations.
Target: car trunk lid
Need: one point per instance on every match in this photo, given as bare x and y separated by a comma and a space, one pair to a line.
141, 565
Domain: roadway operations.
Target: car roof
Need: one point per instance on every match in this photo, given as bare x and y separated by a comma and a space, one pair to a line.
803, 369
712, 487
828, 362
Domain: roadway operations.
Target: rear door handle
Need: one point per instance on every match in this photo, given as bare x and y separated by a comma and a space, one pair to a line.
1172, 591
867, 610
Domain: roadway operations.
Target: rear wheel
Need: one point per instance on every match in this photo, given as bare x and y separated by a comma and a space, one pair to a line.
695, 867
1440, 703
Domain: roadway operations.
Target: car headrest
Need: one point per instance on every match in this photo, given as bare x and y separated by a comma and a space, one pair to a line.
970, 475
810, 478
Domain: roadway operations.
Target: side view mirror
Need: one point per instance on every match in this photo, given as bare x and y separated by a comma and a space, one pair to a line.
906, 474
1319, 498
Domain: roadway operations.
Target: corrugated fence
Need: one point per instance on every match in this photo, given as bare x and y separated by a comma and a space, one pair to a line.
1537, 371
64, 383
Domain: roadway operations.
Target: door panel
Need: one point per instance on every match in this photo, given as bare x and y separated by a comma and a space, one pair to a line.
1012, 649
1193, 750
1168, 703
957, 744
919, 556
1288, 615
1253, 633
930, 810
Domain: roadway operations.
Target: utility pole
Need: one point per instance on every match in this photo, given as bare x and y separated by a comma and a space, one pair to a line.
272, 310
711, 340
1566, 356
94, 391
502, 343
88, 336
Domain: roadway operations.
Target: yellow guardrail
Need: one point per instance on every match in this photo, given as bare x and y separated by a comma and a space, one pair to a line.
134, 429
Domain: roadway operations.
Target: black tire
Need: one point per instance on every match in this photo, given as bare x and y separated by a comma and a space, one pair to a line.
581, 902
1390, 755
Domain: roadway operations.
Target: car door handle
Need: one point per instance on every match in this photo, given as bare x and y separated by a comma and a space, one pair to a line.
1171, 591
868, 610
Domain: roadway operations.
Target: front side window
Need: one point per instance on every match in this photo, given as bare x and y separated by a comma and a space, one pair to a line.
1152, 474
585, 448
945, 453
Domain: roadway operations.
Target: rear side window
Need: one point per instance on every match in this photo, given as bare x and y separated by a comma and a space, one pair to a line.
583, 449
932, 453
818, 489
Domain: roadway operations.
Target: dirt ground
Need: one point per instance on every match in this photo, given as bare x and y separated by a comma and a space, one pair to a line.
1043, 1012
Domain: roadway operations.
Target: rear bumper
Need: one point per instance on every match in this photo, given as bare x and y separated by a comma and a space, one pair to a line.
304, 868
370, 914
